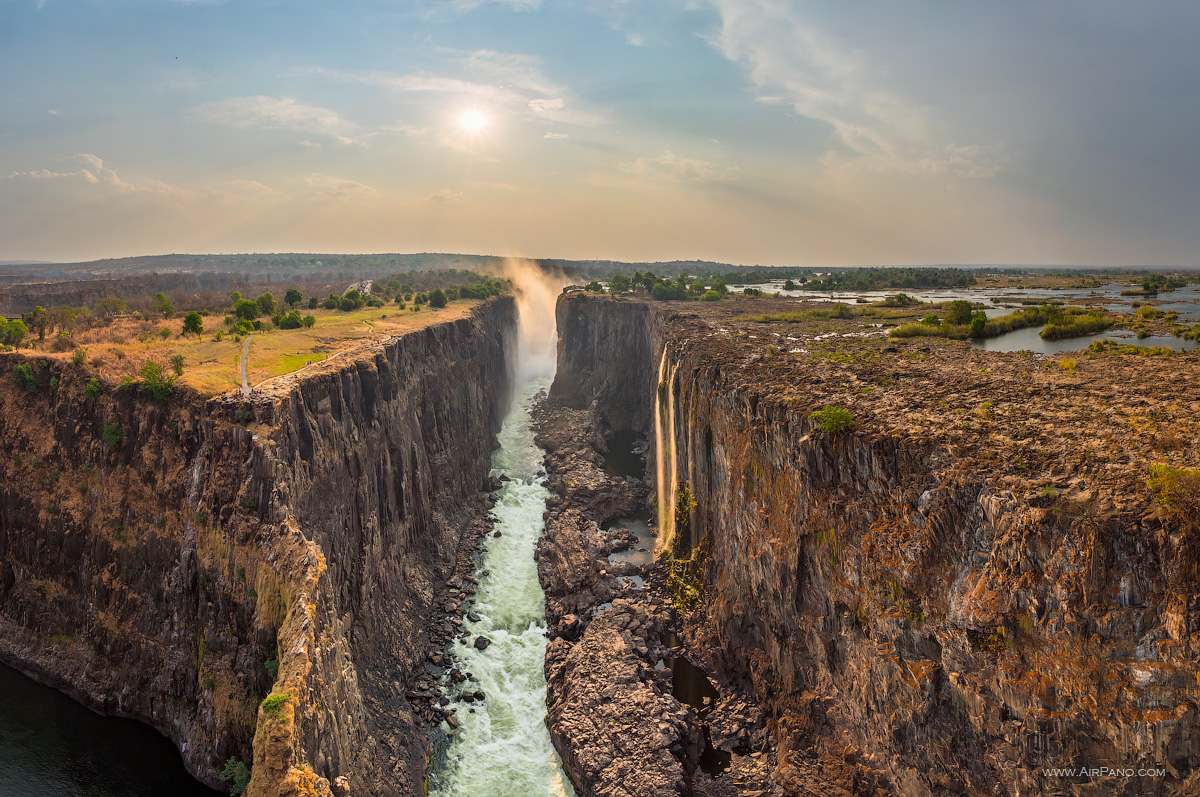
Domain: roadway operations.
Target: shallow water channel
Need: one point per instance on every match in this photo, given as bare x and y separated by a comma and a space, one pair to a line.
502, 747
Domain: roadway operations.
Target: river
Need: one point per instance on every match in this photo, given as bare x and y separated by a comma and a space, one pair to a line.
502, 747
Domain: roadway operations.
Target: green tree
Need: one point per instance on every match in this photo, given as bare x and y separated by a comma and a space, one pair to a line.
618, 284
958, 312
238, 775
789, 285
193, 324
155, 382
308, 321
292, 297
710, 296
593, 287
246, 309
92, 389
112, 306
22, 376
177, 363
163, 305
112, 436
266, 304
39, 320
17, 332
235, 297
437, 298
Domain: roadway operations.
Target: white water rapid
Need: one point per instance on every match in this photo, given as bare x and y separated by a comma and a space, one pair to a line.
503, 747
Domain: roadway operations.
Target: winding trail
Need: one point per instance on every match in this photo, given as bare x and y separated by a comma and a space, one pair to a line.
245, 357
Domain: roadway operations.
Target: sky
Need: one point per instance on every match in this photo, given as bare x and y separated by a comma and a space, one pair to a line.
746, 131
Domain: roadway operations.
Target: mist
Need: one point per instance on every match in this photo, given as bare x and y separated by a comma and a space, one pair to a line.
536, 290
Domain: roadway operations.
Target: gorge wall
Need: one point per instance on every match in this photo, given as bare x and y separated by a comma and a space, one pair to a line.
901, 612
176, 562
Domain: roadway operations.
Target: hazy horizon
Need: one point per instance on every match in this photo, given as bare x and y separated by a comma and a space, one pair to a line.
735, 131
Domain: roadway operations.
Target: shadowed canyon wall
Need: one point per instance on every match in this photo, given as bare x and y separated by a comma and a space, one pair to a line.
179, 561
893, 609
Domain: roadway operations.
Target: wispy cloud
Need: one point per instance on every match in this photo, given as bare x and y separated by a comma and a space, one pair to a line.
671, 167
791, 62
445, 195
512, 81
339, 187
272, 113
557, 135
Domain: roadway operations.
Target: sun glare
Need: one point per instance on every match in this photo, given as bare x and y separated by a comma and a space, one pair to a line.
473, 121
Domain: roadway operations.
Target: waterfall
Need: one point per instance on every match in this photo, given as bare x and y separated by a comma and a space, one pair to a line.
666, 453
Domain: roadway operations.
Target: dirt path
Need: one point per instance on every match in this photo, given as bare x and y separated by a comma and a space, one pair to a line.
245, 357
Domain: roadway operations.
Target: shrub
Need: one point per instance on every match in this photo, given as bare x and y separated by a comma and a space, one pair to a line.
244, 414
220, 336
239, 776
79, 356
931, 320
313, 303
308, 321
834, 420
112, 436
1068, 365
710, 296
193, 324
958, 312
246, 310
272, 667
1177, 490
275, 703
22, 376
291, 321
177, 364
437, 298
266, 304
292, 297
155, 382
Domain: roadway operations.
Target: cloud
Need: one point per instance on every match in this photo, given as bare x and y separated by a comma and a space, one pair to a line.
671, 167
557, 135
488, 78
54, 112
271, 113
541, 106
339, 187
791, 62
445, 195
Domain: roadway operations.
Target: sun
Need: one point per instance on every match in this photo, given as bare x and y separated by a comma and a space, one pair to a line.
473, 121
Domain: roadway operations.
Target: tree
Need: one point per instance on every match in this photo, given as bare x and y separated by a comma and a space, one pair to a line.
235, 297
437, 298
246, 309
593, 287
238, 774
163, 305
789, 285
958, 312
17, 332
266, 304
193, 324
308, 321
155, 382
618, 284
177, 364
292, 297
39, 320
112, 306
313, 302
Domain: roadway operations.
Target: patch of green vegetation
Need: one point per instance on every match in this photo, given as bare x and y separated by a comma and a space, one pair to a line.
273, 705
22, 376
834, 420
238, 775
1177, 491
112, 436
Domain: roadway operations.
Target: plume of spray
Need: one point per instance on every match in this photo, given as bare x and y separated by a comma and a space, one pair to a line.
536, 289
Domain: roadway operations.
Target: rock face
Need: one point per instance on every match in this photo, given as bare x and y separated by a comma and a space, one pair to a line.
168, 563
611, 714
906, 612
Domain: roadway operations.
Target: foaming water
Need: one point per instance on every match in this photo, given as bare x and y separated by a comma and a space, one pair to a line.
503, 748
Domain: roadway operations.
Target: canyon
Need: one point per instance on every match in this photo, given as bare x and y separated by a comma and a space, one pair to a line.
969, 583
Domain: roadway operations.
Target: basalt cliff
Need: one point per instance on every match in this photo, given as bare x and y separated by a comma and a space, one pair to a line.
982, 576
253, 577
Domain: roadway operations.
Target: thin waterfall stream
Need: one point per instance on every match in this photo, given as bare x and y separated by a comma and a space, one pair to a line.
502, 746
